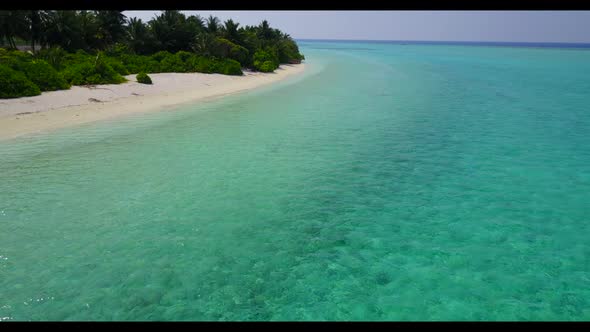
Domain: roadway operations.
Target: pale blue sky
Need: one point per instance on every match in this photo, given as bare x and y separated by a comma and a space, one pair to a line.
511, 26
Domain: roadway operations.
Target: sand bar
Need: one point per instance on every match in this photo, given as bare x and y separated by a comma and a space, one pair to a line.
57, 109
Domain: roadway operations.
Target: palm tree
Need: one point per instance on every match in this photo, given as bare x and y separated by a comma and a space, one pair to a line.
139, 36
111, 25
13, 23
63, 28
230, 31
90, 29
173, 31
204, 44
34, 18
212, 24
173, 17
195, 23
264, 31
161, 27
284, 35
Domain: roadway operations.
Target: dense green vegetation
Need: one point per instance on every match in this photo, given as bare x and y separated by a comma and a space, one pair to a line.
15, 84
143, 78
100, 47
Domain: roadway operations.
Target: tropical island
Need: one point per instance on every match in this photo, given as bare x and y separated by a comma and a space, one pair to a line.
99, 47
53, 50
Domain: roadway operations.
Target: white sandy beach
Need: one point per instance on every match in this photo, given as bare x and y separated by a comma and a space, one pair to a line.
78, 105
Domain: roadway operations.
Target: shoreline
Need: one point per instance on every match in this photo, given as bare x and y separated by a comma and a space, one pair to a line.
82, 104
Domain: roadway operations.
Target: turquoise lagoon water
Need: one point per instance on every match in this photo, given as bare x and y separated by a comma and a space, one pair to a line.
389, 182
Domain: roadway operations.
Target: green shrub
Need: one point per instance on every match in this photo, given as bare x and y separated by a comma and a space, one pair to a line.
267, 67
107, 73
200, 64
184, 56
166, 62
189, 63
138, 63
79, 74
11, 62
224, 48
97, 72
143, 78
133, 69
54, 56
229, 67
117, 50
172, 64
159, 56
44, 75
20, 55
240, 54
38, 71
266, 60
289, 52
268, 54
82, 53
153, 66
73, 59
15, 59
117, 65
15, 84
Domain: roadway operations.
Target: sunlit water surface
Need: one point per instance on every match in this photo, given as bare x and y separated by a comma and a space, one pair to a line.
388, 182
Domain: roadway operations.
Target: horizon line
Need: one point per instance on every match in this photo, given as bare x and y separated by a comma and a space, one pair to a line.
445, 41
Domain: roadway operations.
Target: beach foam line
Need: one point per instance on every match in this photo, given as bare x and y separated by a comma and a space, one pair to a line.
81, 104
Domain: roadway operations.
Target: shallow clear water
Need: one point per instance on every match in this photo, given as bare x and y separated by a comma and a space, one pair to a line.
389, 182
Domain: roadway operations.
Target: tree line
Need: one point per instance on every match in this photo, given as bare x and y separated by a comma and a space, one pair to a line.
77, 47
170, 31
